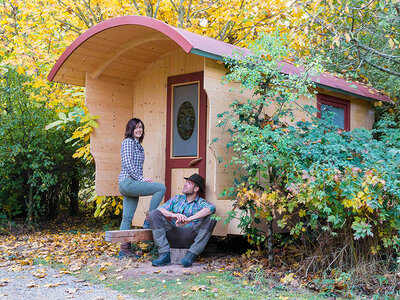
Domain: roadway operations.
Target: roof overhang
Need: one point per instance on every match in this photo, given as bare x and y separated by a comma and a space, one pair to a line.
121, 47
129, 43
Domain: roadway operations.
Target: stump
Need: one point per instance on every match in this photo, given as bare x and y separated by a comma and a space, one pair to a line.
177, 255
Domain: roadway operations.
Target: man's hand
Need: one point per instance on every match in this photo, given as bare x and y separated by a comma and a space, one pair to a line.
148, 180
180, 219
188, 220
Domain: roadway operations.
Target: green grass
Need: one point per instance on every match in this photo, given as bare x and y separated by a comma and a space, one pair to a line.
220, 285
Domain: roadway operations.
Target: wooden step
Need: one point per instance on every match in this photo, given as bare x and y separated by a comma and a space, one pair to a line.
135, 235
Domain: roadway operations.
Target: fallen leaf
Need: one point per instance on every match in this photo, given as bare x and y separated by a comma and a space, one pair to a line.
102, 277
50, 285
156, 272
214, 290
119, 277
87, 284
141, 291
39, 274
32, 285
199, 288
288, 278
71, 290
74, 268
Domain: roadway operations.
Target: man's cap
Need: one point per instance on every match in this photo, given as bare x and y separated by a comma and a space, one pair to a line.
197, 179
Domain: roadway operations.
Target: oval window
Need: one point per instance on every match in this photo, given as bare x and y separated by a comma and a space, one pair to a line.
186, 120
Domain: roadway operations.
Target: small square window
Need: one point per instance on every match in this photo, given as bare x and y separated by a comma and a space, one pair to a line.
340, 108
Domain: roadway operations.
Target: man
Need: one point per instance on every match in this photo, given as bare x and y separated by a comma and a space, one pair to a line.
189, 226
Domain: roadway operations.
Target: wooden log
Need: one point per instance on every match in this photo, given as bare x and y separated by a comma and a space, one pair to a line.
135, 235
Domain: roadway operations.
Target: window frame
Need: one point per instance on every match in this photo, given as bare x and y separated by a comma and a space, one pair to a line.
336, 102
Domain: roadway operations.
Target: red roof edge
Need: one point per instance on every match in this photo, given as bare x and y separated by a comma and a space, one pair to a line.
328, 81
162, 27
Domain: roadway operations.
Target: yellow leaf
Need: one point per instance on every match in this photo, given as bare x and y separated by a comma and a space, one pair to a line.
20, 70
391, 44
288, 278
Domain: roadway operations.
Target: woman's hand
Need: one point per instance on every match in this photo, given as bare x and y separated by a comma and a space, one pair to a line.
148, 180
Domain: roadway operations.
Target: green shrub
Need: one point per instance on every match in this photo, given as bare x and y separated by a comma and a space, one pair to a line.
37, 172
330, 188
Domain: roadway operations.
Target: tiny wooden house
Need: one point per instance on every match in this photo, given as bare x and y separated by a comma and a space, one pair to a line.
135, 66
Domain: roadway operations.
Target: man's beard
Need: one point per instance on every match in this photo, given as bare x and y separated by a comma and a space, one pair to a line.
188, 193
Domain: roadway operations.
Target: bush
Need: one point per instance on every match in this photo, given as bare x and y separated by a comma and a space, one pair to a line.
333, 189
37, 172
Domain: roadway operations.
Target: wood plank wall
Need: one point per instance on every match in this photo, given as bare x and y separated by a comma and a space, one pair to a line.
112, 99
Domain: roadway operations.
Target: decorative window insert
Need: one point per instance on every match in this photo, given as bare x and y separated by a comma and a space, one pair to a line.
340, 107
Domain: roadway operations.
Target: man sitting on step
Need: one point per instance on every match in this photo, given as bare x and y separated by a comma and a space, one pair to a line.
184, 221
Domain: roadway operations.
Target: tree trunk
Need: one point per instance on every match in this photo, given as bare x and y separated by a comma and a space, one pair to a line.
30, 206
73, 196
270, 245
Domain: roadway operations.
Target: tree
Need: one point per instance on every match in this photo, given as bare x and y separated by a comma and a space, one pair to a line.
360, 39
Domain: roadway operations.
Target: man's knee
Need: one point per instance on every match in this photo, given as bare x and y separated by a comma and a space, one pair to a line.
208, 223
156, 219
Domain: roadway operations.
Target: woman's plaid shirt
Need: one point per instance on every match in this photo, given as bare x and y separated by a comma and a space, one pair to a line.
132, 158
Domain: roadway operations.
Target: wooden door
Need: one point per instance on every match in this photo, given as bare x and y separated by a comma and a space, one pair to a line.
186, 130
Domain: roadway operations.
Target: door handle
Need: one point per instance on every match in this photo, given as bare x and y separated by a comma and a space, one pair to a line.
195, 161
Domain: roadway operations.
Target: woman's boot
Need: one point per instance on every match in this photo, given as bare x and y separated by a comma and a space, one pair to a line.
126, 251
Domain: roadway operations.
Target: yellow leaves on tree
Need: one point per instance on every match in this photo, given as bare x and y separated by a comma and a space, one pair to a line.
35, 33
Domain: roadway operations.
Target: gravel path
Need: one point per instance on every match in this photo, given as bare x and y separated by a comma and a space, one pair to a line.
39, 282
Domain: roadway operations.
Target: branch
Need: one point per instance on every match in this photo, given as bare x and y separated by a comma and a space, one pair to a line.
72, 27
87, 4
391, 72
136, 6
173, 4
384, 55
156, 10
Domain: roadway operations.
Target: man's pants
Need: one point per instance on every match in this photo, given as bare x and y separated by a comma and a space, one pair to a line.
166, 234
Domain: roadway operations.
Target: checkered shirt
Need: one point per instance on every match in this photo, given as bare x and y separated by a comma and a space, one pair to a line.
132, 158
179, 205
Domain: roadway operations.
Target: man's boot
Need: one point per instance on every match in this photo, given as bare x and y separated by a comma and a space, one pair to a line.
126, 251
188, 259
163, 260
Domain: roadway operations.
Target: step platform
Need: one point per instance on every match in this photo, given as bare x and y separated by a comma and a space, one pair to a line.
134, 236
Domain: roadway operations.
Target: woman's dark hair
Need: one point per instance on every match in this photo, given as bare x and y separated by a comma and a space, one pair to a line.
132, 123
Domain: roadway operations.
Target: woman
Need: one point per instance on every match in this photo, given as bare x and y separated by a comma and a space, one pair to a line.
132, 184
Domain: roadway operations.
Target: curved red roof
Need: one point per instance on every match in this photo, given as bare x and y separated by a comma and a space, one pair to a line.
188, 41
211, 48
